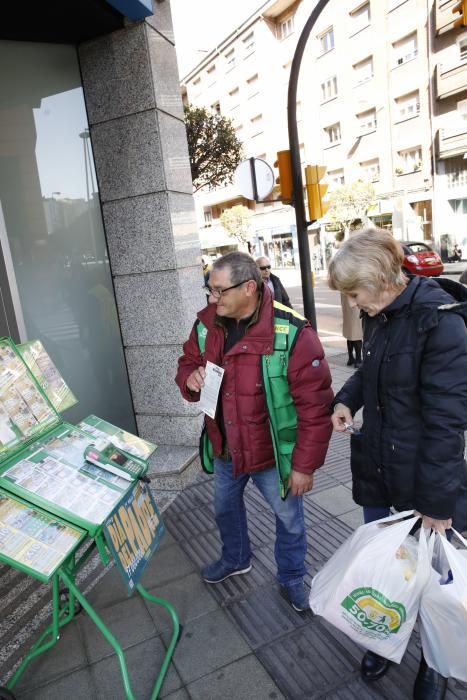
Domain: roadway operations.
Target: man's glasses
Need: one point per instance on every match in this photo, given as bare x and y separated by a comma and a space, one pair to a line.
265, 267
217, 293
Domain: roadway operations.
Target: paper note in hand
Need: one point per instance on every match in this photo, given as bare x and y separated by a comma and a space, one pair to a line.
210, 390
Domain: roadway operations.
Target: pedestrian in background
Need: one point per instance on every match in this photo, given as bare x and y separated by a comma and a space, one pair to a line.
413, 390
272, 421
352, 331
273, 282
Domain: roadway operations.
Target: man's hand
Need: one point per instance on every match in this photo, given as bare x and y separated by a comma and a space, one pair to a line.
300, 483
341, 418
195, 381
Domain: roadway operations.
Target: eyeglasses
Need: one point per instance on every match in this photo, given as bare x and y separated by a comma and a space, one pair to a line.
265, 267
217, 293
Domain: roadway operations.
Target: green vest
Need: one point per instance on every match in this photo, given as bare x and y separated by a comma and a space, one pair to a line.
279, 403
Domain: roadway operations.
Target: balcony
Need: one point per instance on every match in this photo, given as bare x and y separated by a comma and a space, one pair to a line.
450, 144
444, 16
450, 81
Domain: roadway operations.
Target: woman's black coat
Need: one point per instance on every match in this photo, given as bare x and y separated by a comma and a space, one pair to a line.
413, 387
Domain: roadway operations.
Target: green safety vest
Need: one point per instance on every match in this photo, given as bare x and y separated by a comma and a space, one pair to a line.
279, 403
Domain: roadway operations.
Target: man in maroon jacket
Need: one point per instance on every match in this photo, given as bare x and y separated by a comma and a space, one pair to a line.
240, 329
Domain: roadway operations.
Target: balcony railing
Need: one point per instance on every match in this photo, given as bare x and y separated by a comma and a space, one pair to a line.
450, 81
450, 144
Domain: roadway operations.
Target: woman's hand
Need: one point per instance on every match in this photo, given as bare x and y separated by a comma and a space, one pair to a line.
341, 418
434, 524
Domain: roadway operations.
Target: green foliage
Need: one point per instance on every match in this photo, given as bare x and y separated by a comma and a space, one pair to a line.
236, 222
350, 203
213, 147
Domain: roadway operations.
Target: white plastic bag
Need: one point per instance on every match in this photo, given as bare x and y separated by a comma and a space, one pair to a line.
371, 587
443, 613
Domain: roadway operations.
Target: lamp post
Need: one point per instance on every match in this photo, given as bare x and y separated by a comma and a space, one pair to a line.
302, 223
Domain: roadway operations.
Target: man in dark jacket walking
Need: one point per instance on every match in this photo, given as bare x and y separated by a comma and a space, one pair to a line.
272, 421
273, 282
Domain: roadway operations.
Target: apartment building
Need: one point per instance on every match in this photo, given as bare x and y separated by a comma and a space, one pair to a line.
374, 102
448, 68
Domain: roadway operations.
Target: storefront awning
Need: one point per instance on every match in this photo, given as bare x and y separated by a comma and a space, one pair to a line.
133, 9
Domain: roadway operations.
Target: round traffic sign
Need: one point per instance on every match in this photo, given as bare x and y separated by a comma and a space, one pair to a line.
254, 171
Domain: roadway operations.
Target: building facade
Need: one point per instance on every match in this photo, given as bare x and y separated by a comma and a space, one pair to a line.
369, 107
100, 251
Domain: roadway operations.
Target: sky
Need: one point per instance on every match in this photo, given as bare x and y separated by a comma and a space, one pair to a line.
200, 24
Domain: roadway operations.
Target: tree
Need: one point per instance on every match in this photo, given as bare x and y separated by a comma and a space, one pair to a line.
350, 203
213, 147
236, 222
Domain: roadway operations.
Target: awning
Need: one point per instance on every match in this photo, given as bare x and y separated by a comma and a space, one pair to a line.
133, 9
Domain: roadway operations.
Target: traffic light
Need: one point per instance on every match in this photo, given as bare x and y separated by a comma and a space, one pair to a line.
315, 192
460, 7
284, 164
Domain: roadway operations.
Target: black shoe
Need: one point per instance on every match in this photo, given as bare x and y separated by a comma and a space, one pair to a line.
429, 684
357, 364
350, 362
373, 666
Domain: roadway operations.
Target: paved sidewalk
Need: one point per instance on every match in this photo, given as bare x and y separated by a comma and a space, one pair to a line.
240, 638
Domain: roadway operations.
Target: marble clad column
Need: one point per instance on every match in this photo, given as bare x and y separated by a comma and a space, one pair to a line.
132, 92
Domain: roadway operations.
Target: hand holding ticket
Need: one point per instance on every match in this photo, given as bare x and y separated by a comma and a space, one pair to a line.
210, 389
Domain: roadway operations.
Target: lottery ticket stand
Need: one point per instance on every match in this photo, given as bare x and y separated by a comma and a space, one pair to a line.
57, 509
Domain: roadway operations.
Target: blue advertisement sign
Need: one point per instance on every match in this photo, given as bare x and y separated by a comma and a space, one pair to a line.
133, 531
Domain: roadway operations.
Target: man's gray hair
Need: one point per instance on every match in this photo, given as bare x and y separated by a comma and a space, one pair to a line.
242, 268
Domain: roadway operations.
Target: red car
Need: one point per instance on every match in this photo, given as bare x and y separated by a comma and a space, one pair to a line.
420, 259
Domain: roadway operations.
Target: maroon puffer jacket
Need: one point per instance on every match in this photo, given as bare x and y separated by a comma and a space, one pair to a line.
243, 403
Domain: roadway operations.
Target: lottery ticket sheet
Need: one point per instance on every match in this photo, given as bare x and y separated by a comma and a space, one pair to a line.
47, 375
54, 468
24, 410
32, 538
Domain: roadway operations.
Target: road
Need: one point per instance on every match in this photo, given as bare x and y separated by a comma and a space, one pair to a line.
328, 305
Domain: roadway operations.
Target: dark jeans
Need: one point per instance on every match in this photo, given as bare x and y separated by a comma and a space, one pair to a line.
371, 513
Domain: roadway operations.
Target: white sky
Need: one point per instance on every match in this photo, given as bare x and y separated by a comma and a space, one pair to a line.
200, 24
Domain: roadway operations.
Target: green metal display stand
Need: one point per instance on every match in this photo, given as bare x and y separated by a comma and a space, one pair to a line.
64, 609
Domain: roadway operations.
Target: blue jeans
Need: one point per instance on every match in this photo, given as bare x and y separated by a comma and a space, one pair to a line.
290, 547
371, 513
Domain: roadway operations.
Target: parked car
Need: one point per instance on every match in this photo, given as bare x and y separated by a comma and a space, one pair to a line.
420, 259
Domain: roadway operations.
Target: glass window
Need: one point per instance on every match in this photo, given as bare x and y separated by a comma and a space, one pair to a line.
286, 27
249, 43
367, 120
408, 105
333, 133
329, 89
456, 172
360, 17
230, 58
370, 169
326, 40
405, 49
410, 160
335, 178
363, 70
52, 217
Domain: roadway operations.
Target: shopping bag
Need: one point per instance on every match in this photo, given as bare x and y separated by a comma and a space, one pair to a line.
371, 587
443, 611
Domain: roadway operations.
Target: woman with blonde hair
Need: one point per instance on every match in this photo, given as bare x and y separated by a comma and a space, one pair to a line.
412, 386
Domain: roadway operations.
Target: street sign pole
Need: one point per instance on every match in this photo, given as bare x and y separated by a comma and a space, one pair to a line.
302, 223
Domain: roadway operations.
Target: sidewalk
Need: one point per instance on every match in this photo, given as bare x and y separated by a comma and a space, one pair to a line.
240, 638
